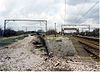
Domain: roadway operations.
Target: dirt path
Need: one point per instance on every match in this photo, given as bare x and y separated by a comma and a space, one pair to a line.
18, 56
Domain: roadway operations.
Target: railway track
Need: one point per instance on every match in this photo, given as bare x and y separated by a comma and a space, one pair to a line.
89, 38
91, 44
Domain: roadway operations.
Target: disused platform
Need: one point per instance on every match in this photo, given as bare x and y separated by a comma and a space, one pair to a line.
67, 47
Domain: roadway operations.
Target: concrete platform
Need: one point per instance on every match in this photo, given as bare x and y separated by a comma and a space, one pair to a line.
61, 46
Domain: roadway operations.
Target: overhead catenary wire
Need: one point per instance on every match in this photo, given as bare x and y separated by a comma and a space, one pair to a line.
88, 11
81, 9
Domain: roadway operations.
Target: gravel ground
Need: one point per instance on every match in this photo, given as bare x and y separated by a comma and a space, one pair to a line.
71, 64
18, 56
24, 56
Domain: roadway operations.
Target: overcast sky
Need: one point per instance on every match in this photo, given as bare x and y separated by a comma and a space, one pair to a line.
51, 10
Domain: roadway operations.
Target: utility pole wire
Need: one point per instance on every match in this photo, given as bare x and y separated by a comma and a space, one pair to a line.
88, 10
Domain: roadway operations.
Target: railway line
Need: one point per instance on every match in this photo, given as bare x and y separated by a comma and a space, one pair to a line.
89, 38
90, 44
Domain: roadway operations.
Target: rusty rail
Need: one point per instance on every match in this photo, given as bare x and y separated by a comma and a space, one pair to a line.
91, 44
89, 38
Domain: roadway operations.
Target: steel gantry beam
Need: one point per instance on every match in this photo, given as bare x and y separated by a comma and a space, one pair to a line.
7, 20
72, 28
24, 20
75, 25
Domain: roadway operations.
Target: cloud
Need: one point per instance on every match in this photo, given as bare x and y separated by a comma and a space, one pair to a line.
2, 6
77, 14
51, 10
76, 2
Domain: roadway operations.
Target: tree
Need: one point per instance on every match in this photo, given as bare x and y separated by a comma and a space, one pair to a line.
40, 31
50, 32
9, 32
0, 32
20, 32
96, 32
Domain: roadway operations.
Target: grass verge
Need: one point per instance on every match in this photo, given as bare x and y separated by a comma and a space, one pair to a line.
7, 41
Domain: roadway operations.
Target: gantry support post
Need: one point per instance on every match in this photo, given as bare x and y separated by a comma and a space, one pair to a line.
4, 28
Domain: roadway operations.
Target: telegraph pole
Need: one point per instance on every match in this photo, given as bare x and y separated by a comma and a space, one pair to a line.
55, 30
89, 28
26, 29
46, 27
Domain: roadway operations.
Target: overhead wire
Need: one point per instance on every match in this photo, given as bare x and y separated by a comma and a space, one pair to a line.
81, 9
88, 11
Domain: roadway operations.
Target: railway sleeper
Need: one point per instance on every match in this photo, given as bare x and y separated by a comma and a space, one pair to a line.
89, 44
90, 38
94, 53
